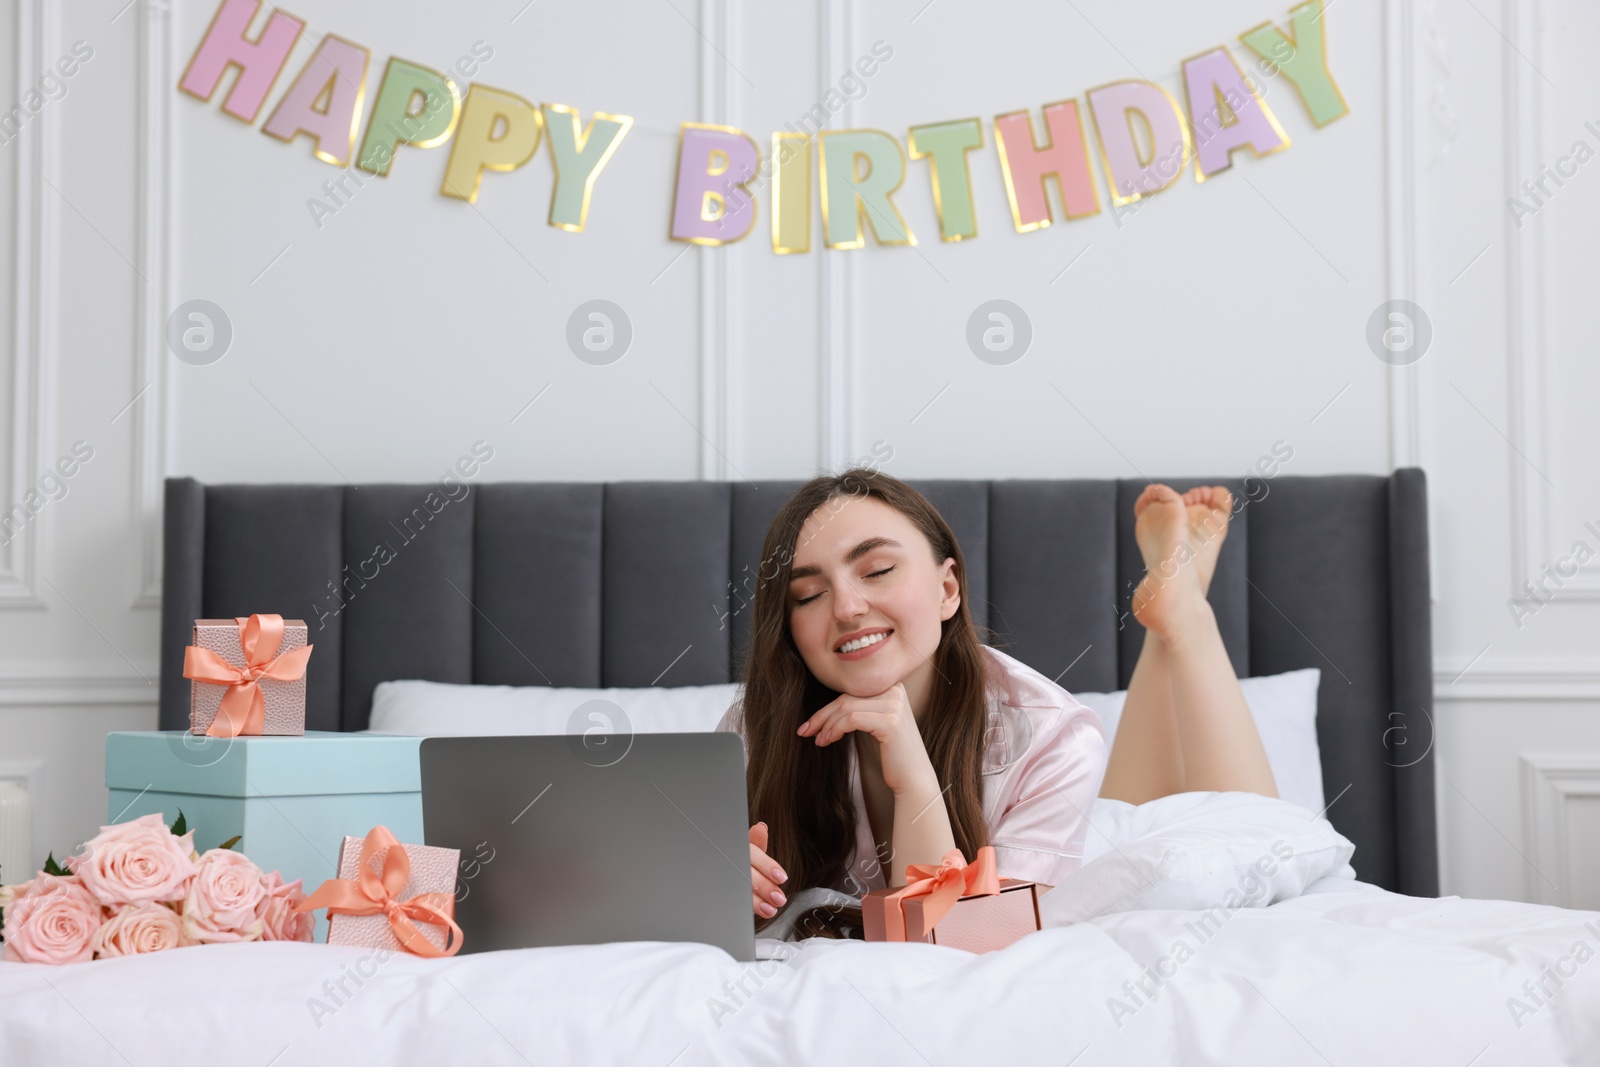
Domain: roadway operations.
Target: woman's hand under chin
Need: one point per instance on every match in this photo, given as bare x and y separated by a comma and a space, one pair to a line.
887, 717
921, 831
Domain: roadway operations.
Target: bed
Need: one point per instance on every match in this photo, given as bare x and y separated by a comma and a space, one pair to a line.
1360, 964
654, 581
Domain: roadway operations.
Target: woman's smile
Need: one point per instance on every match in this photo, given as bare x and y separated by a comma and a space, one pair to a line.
864, 645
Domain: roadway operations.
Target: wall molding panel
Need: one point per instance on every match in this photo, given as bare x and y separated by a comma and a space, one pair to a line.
36, 217
24, 772
151, 382
78, 685
1549, 784
839, 384
1576, 679
1405, 221
1534, 537
719, 106
1407, 411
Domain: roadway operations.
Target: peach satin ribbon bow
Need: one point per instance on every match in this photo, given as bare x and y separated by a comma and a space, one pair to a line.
943, 885
244, 708
369, 894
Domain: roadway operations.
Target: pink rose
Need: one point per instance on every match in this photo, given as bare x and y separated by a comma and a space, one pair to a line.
132, 862
276, 911
54, 922
223, 897
136, 928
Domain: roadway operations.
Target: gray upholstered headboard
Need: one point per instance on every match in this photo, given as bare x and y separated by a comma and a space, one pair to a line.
650, 583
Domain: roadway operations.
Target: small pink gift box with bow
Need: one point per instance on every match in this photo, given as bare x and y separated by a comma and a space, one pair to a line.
385, 889
956, 904
248, 676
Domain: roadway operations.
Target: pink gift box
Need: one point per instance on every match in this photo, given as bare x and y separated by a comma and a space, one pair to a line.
981, 923
433, 870
285, 701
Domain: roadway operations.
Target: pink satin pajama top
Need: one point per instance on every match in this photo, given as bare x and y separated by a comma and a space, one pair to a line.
1044, 758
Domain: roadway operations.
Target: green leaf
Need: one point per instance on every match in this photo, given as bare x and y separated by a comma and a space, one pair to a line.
180, 827
52, 867
230, 842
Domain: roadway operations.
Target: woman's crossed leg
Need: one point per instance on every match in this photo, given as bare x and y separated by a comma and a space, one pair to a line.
1185, 725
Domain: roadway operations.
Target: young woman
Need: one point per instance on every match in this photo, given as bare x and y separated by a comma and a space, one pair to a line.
879, 731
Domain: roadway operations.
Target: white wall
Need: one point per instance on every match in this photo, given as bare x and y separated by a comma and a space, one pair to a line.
381, 345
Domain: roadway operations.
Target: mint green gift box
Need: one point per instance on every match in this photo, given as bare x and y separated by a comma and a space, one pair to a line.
292, 800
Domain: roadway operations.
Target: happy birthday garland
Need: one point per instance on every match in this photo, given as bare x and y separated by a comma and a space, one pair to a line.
858, 170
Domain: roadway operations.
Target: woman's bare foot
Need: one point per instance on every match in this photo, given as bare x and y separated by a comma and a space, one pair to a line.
1170, 592
1209, 509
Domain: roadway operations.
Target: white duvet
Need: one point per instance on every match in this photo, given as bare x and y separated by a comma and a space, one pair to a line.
1186, 958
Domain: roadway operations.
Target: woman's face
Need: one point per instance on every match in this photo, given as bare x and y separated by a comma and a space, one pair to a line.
861, 569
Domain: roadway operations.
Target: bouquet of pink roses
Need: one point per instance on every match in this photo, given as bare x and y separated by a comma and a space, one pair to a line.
141, 887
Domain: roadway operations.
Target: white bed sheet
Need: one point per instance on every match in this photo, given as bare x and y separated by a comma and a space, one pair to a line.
1351, 975
1340, 973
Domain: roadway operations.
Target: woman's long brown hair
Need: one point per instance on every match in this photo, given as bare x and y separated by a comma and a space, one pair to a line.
802, 791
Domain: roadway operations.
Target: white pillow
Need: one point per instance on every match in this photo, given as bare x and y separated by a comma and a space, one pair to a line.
1284, 707
441, 709
1213, 852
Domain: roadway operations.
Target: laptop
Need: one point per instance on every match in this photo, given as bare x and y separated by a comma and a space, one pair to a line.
564, 842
